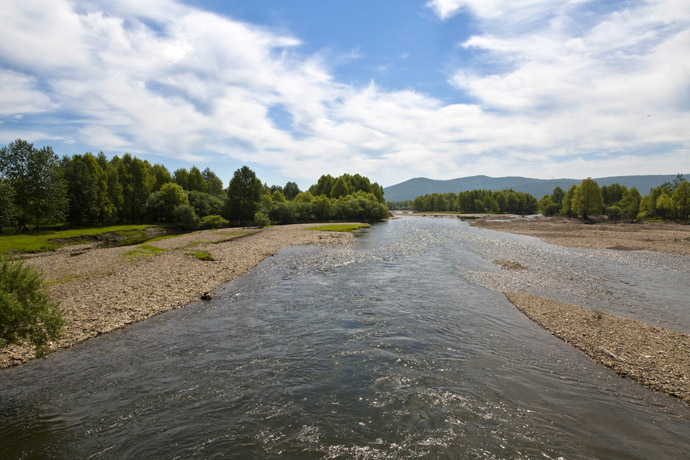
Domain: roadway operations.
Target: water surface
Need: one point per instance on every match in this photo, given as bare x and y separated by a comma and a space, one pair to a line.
401, 347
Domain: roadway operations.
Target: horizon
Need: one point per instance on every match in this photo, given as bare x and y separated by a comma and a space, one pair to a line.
440, 89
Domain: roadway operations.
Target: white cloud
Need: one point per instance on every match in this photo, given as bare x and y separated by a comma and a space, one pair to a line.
19, 95
164, 78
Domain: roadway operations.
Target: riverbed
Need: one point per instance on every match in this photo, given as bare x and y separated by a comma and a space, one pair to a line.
402, 346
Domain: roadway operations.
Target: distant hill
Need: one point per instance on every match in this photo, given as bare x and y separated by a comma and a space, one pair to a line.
412, 188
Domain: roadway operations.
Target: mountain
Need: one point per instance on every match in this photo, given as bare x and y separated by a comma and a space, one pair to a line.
412, 188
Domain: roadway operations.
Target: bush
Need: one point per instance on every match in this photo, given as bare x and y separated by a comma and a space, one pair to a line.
205, 204
261, 220
213, 221
26, 312
185, 216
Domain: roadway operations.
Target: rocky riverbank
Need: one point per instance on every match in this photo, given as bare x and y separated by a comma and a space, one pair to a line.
103, 289
654, 356
666, 237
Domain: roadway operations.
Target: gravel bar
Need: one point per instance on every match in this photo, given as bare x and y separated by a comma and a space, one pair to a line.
655, 357
665, 237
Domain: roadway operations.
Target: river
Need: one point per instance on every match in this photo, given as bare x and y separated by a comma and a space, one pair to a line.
402, 346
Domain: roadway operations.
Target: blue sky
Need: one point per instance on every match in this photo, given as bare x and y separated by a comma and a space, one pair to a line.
388, 89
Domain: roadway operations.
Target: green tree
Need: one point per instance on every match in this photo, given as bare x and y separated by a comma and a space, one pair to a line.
557, 196
195, 180
14, 160
105, 208
673, 185
664, 205
323, 186
161, 204
185, 216
26, 312
340, 188
630, 203
681, 200
137, 179
205, 204
113, 188
82, 191
48, 190
36, 177
181, 178
291, 190
7, 211
243, 196
612, 194
278, 197
544, 204
587, 199
162, 176
567, 205
214, 185
303, 197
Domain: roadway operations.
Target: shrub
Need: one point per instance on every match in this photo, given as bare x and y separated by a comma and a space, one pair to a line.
261, 220
213, 221
26, 312
185, 216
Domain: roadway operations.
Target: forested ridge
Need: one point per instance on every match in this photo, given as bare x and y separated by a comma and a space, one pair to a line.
38, 188
670, 200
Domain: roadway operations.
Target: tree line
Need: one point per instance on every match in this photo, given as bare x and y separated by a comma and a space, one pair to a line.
473, 201
38, 188
670, 200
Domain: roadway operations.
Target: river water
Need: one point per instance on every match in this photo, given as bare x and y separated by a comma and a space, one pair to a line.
400, 347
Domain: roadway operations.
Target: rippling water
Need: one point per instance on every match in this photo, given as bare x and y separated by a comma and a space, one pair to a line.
401, 347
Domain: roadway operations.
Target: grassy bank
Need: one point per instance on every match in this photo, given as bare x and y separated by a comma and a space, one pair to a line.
50, 240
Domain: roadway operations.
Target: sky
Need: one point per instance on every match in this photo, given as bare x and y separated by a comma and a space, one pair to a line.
390, 89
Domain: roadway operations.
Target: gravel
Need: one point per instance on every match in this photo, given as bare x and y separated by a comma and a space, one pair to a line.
666, 237
655, 357
104, 289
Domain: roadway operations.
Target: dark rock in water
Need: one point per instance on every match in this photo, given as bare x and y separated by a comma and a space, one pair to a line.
205, 296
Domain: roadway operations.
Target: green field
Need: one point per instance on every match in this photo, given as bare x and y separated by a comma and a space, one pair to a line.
50, 240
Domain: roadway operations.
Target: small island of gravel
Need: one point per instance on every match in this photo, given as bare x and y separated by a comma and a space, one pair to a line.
656, 357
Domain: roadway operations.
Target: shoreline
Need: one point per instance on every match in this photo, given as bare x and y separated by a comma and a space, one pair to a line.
104, 289
665, 237
655, 357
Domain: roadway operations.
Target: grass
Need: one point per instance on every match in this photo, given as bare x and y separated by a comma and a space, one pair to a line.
339, 227
144, 250
63, 280
201, 255
45, 240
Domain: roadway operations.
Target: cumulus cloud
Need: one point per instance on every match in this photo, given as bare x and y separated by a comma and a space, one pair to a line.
164, 78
